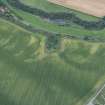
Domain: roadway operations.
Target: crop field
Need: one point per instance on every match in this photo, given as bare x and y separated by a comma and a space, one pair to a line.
92, 7
29, 75
44, 61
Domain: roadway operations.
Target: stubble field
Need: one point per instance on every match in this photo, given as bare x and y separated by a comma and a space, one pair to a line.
92, 7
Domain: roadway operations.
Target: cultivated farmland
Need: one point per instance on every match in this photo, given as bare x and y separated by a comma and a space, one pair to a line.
92, 7
49, 57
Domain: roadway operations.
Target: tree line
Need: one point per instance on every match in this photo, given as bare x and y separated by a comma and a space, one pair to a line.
53, 39
71, 17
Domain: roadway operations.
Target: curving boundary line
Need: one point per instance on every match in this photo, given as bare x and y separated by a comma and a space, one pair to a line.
60, 16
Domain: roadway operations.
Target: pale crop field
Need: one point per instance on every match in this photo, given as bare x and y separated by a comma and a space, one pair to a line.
91, 7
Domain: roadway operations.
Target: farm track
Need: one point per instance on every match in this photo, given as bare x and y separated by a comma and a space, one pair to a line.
91, 102
90, 25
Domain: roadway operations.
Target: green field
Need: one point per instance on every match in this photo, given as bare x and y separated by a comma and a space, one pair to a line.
31, 74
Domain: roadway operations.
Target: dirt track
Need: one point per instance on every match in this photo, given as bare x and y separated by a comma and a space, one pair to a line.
91, 7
